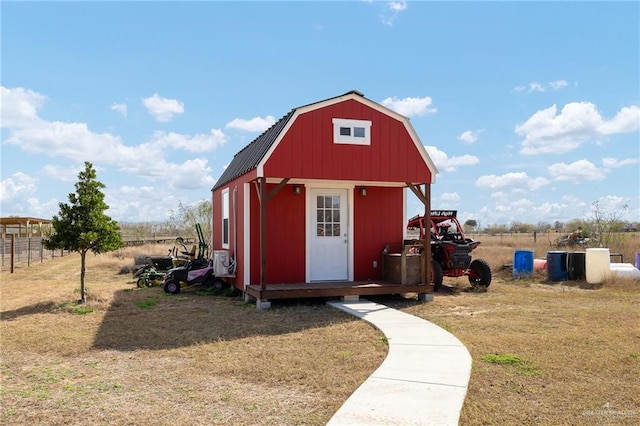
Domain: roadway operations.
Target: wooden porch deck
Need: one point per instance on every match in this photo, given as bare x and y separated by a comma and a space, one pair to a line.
334, 289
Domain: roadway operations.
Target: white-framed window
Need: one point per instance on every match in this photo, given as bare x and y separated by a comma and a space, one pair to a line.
354, 132
225, 218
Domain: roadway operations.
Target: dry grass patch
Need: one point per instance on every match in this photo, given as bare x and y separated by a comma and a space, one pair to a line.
543, 353
141, 356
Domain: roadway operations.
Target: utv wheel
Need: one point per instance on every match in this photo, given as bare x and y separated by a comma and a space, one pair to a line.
142, 283
436, 275
172, 286
219, 284
480, 273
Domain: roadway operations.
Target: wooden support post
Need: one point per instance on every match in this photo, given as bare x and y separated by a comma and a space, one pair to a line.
425, 197
262, 182
263, 198
427, 234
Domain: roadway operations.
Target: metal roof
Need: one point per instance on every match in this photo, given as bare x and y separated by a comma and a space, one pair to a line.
23, 221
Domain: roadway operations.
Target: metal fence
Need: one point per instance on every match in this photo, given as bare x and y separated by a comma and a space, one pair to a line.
24, 251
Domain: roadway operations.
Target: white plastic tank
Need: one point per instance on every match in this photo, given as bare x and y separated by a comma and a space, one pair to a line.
625, 270
597, 261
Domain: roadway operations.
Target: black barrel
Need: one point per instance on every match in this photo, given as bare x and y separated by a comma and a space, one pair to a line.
576, 265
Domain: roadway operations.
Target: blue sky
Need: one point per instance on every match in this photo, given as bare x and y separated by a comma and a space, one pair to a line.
531, 111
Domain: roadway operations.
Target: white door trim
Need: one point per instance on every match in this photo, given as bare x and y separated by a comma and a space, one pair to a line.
309, 192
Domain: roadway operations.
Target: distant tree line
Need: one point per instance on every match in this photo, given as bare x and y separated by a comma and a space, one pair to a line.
602, 224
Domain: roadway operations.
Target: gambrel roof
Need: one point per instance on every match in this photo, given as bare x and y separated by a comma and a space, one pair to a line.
251, 156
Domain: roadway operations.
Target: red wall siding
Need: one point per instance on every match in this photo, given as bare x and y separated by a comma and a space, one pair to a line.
307, 150
254, 238
377, 221
285, 237
239, 249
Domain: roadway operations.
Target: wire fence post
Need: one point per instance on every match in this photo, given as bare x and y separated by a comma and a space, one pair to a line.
13, 251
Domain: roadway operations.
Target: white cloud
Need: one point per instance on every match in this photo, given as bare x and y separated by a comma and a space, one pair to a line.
391, 10
558, 84
627, 120
139, 203
64, 174
72, 140
77, 142
610, 205
120, 108
37, 208
469, 136
519, 181
18, 185
410, 107
613, 163
31, 207
196, 143
577, 171
19, 107
546, 131
256, 124
397, 6
535, 86
191, 174
443, 162
499, 195
163, 109
527, 211
448, 200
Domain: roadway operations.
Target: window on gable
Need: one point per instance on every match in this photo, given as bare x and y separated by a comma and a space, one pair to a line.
354, 132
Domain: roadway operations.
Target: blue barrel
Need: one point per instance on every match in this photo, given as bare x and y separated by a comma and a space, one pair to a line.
522, 263
557, 266
576, 265
638, 260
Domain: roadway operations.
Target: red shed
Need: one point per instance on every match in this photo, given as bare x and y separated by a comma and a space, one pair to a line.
307, 208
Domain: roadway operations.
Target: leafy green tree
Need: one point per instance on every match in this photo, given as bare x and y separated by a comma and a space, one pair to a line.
82, 225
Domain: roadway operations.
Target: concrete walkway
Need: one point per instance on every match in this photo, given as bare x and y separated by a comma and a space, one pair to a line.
423, 380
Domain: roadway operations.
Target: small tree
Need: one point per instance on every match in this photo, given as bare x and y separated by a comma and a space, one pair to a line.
189, 215
607, 219
82, 225
471, 225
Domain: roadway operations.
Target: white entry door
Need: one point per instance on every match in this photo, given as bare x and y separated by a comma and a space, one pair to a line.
329, 244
